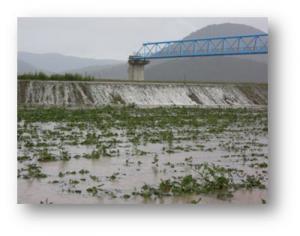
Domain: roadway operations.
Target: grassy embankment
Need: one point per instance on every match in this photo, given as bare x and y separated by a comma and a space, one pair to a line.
55, 77
77, 77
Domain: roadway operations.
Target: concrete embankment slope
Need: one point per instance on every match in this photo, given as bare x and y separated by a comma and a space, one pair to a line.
90, 94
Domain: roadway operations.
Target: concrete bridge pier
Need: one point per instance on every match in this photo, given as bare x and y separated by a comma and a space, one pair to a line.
136, 69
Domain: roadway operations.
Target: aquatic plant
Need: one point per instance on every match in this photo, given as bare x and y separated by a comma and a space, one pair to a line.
64, 156
211, 179
90, 139
93, 190
45, 156
23, 158
32, 171
46, 202
251, 182
83, 171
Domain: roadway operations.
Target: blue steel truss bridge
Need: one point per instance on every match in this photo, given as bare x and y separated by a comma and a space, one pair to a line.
213, 46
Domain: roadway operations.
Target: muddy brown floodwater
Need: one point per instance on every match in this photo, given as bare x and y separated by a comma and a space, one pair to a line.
78, 162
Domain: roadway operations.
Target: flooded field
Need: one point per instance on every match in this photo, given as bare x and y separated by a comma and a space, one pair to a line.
132, 155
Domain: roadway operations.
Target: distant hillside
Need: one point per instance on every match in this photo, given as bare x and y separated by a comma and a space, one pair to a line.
118, 71
217, 69
25, 68
228, 29
225, 29
57, 63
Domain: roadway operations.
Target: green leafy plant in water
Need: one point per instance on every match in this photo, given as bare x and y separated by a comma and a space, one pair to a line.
45, 156
251, 182
90, 139
211, 179
46, 202
113, 176
64, 156
93, 190
23, 158
94, 155
95, 178
32, 171
83, 171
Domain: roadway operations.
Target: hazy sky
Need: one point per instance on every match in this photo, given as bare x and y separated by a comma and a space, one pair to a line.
109, 38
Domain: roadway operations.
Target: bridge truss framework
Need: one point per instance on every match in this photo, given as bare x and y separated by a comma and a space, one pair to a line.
214, 46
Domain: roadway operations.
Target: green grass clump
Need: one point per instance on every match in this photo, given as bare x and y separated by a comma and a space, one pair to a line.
117, 99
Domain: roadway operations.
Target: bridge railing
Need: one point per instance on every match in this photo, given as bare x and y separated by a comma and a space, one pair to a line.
214, 46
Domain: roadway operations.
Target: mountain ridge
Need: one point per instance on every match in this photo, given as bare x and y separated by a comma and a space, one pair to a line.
59, 63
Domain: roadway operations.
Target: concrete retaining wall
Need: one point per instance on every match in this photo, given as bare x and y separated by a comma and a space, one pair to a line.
91, 94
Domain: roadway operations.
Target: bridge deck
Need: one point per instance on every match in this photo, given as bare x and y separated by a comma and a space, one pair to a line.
215, 46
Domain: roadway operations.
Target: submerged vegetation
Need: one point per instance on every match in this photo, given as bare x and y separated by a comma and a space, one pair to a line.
210, 179
31, 171
217, 119
131, 154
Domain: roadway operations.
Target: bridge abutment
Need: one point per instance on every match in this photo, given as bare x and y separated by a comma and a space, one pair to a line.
136, 69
